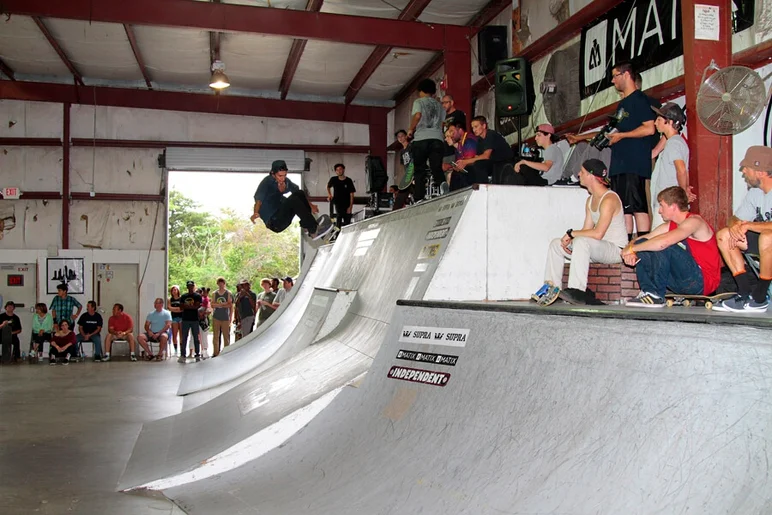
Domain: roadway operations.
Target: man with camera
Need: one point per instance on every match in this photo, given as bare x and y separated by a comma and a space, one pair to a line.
630, 148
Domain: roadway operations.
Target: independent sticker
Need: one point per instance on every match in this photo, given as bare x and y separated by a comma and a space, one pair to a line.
416, 375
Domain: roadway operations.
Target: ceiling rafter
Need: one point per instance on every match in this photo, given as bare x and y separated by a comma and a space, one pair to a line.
224, 17
137, 55
411, 12
58, 49
296, 52
6, 70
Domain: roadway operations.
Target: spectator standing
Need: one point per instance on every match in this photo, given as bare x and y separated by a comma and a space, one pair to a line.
282, 294
246, 305
42, 330
426, 132
342, 195
265, 302
222, 302
63, 304
175, 308
203, 319
190, 302
90, 329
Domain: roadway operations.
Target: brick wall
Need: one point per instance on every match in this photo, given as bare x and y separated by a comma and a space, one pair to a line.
609, 282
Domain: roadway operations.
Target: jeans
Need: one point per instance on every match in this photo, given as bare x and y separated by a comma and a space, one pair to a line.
295, 204
430, 150
673, 268
192, 327
342, 217
585, 251
96, 339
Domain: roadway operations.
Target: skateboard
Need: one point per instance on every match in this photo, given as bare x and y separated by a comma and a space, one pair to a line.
407, 179
675, 299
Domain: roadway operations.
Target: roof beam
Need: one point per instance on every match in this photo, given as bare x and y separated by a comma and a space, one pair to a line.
6, 70
189, 102
58, 49
411, 11
137, 55
483, 18
249, 19
296, 52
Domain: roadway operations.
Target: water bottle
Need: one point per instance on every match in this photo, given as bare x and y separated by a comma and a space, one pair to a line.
23, 356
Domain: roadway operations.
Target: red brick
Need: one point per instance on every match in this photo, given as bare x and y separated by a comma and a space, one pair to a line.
615, 280
628, 284
613, 297
608, 271
611, 288
630, 293
602, 296
592, 272
598, 280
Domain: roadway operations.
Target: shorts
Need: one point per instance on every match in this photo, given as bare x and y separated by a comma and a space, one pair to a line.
152, 339
753, 242
176, 320
631, 189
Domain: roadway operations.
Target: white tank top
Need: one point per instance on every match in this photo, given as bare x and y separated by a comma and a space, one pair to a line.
616, 232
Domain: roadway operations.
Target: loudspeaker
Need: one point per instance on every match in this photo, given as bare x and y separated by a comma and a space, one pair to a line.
514, 87
377, 176
492, 46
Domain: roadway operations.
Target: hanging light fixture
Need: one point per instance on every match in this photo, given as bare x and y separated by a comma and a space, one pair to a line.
219, 80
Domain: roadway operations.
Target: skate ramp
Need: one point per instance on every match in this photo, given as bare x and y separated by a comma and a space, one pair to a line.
390, 257
540, 414
251, 352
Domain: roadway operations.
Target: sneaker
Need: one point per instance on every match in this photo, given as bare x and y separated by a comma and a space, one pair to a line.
133, 357
740, 304
52, 361
198, 358
324, 227
106, 358
181, 359
646, 300
574, 296
66, 361
149, 357
540, 292
97, 358
567, 181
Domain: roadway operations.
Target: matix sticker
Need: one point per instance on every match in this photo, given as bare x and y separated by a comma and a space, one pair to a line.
416, 375
428, 357
434, 336
437, 234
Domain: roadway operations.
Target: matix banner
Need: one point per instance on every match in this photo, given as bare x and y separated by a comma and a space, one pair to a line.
645, 32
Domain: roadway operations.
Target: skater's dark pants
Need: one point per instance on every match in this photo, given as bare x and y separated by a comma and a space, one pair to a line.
673, 268
342, 217
401, 198
194, 329
39, 339
430, 150
66, 353
295, 204
10, 340
527, 176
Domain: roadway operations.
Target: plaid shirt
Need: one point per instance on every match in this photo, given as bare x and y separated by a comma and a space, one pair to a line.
64, 308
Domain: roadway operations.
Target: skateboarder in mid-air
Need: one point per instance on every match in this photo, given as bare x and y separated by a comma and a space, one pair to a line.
680, 255
278, 210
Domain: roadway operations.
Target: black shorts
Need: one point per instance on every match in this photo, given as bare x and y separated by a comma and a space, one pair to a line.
753, 242
631, 189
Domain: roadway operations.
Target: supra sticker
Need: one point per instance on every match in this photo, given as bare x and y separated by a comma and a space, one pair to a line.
428, 357
429, 251
437, 234
451, 205
416, 375
434, 336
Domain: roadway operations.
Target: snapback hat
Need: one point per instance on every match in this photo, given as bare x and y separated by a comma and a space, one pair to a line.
758, 157
190, 283
597, 168
289, 280
278, 166
547, 128
671, 111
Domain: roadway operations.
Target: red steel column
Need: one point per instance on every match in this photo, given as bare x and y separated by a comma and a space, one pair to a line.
710, 162
378, 135
66, 178
458, 70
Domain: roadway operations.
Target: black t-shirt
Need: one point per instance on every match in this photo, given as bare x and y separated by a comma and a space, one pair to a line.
15, 324
633, 155
243, 304
341, 190
189, 308
653, 102
89, 323
502, 152
457, 117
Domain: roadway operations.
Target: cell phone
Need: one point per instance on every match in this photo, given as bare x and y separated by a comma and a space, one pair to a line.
455, 165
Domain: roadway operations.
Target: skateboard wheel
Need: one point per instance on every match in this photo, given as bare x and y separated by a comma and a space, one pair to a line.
708, 304
669, 303
687, 303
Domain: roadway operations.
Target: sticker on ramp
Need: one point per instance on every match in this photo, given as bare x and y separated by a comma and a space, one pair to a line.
434, 336
428, 357
437, 234
429, 251
442, 221
416, 375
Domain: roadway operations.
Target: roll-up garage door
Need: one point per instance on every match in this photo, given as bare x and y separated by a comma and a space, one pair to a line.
231, 159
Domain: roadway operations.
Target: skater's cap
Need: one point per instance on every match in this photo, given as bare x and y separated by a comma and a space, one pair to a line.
190, 283
758, 158
244, 281
597, 168
288, 279
671, 111
278, 166
546, 128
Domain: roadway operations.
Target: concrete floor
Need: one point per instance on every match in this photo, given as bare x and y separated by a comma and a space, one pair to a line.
66, 434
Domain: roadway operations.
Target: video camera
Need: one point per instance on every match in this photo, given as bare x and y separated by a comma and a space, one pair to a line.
530, 152
600, 141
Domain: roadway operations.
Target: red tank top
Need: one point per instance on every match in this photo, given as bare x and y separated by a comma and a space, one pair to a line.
707, 257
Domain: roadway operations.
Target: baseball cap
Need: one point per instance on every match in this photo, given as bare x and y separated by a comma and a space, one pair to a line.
288, 279
597, 168
190, 283
758, 158
278, 166
244, 281
546, 128
671, 111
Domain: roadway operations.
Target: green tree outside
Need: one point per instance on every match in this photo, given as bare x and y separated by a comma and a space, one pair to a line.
203, 247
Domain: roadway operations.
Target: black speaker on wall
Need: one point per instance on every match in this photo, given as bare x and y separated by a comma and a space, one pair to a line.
514, 87
377, 176
492, 46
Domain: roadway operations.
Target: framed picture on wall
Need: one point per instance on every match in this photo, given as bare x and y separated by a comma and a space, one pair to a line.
65, 270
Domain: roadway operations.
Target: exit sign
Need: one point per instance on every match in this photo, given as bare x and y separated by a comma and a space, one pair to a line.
11, 193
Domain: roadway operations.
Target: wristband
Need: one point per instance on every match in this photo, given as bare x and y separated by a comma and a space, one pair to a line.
570, 234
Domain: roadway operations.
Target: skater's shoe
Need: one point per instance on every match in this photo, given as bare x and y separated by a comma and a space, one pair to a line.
97, 358
740, 304
133, 357
567, 182
550, 297
52, 361
198, 358
536, 297
324, 227
66, 361
181, 359
646, 300
106, 358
